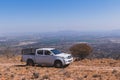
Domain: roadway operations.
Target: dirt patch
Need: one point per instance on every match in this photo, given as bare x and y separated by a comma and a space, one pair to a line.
97, 69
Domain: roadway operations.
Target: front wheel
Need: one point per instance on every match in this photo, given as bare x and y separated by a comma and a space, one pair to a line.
58, 64
30, 62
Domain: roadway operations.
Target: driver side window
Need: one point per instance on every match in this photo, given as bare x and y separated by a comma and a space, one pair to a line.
47, 52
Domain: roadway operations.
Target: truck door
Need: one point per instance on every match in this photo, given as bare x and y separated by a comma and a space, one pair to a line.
39, 57
48, 57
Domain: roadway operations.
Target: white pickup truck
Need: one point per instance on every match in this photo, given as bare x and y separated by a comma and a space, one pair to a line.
46, 56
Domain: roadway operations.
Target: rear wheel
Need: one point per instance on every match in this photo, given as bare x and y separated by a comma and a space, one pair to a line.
58, 64
30, 62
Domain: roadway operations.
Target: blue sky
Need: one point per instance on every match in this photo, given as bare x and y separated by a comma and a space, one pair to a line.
58, 15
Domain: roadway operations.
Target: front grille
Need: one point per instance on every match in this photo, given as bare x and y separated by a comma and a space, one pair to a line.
70, 61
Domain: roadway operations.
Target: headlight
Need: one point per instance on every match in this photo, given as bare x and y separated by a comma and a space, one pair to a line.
69, 57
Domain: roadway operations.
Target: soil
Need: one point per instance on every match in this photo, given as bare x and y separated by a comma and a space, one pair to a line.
95, 69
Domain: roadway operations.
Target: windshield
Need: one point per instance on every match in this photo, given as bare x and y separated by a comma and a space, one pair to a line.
55, 51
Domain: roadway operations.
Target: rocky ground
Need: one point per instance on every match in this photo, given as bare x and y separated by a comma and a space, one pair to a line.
96, 69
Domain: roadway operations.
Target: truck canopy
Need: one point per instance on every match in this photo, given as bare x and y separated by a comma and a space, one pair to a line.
28, 50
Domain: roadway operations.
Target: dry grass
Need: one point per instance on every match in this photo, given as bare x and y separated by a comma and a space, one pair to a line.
96, 69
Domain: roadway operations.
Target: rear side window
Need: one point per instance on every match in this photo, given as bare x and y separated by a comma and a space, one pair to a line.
40, 52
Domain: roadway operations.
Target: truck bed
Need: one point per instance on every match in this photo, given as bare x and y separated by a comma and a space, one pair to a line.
27, 56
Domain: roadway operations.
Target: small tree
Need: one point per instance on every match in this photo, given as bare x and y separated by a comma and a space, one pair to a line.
80, 51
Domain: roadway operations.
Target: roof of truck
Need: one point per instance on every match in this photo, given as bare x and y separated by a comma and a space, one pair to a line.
45, 48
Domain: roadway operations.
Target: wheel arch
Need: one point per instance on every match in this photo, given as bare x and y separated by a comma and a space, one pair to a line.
29, 59
58, 60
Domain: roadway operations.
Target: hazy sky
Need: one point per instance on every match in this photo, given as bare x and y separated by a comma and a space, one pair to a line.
56, 15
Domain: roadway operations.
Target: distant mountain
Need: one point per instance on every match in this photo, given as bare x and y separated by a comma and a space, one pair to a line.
114, 33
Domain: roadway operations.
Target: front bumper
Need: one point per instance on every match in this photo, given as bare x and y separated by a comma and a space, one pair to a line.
68, 61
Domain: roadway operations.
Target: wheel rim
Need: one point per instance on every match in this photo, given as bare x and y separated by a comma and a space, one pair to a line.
30, 63
58, 65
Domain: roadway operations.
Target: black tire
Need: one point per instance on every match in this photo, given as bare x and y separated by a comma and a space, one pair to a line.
58, 64
30, 62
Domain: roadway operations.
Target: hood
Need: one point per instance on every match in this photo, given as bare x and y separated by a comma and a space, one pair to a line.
63, 55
